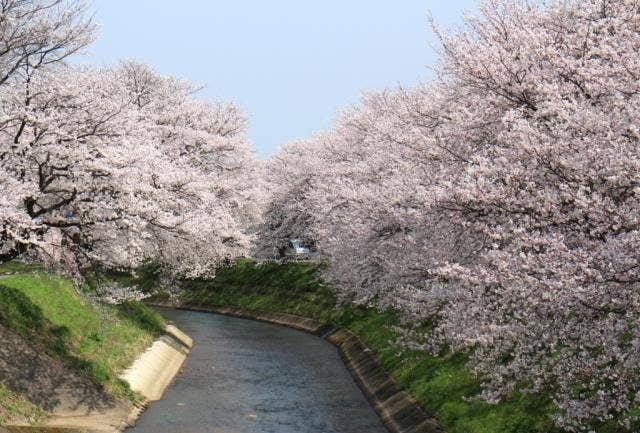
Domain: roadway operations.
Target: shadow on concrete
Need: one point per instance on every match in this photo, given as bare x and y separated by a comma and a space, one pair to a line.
45, 381
35, 360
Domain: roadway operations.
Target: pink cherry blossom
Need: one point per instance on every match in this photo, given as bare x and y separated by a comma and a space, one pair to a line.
501, 199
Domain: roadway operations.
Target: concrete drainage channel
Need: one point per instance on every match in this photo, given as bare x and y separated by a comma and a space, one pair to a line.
155, 369
398, 410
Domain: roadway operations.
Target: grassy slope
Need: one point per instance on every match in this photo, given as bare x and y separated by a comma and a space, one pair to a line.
441, 384
15, 407
97, 340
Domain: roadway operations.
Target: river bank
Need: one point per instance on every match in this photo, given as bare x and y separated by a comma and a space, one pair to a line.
62, 357
399, 412
255, 377
442, 384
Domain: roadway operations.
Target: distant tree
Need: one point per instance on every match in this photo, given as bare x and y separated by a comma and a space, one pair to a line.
289, 213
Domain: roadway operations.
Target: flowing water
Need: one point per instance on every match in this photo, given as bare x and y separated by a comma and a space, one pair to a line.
250, 377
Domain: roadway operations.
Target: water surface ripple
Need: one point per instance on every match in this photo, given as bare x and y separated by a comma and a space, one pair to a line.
250, 377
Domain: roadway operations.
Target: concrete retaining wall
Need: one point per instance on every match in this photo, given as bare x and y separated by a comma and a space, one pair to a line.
149, 375
397, 409
154, 370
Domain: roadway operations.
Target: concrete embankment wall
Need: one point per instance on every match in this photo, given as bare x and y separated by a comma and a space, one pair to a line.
154, 370
397, 409
78, 406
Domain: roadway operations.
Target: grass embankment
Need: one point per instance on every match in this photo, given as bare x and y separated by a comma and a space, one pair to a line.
15, 407
97, 340
442, 384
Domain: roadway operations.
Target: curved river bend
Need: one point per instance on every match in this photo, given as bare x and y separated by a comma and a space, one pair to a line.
251, 377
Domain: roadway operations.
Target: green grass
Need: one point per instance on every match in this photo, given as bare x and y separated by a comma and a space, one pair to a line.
19, 267
98, 340
442, 384
141, 316
294, 288
16, 408
145, 278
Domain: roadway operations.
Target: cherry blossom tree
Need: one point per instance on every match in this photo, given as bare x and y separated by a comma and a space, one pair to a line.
289, 211
501, 198
105, 172
205, 176
39, 33
34, 35
71, 155
387, 173
554, 185
369, 200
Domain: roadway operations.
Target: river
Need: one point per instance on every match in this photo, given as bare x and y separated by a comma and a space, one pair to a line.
245, 376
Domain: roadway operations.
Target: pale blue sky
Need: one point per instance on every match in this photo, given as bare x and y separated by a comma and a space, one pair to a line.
290, 64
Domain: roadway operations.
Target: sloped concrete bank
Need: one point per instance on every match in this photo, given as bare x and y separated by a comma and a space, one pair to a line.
397, 409
155, 369
78, 406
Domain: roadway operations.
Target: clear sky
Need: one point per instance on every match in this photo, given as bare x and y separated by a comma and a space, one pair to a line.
290, 64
